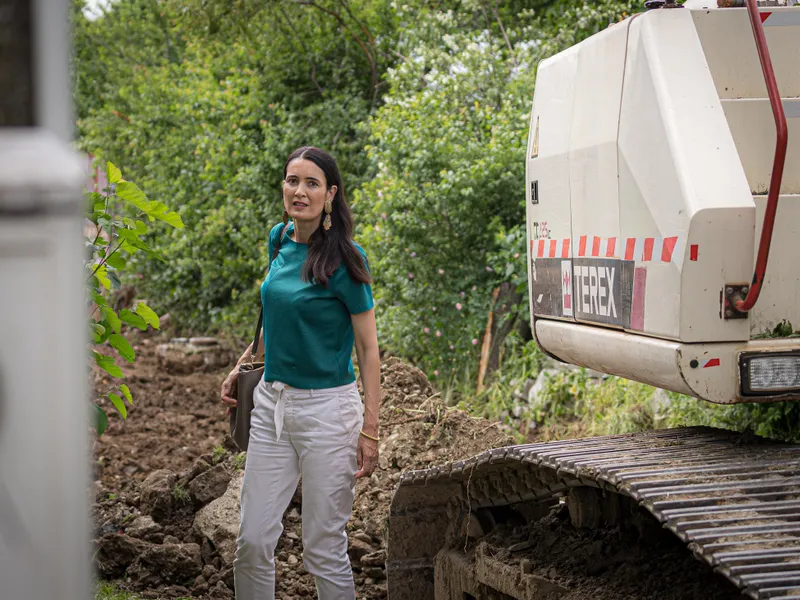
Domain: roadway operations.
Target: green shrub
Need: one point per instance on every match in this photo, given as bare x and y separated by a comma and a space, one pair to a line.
446, 220
218, 454
117, 215
179, 494
239, 461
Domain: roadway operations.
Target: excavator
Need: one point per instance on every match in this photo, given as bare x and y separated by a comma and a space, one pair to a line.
663, 217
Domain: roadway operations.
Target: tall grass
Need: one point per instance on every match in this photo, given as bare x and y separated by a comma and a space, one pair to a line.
573, 404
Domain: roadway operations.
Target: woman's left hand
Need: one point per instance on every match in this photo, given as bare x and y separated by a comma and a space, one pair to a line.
367, 457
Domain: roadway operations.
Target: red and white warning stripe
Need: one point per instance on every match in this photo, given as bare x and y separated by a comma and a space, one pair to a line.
781, 18
643, 249
596, 246
550, 248
650, 249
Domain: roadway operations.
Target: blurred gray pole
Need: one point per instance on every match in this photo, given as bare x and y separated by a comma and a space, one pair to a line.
44, 462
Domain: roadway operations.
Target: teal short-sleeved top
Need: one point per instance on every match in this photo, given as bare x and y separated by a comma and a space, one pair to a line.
308, 334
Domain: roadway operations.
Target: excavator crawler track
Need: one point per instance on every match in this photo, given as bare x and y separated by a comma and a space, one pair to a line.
733, 499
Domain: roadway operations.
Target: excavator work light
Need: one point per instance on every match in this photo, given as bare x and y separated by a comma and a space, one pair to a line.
769, 374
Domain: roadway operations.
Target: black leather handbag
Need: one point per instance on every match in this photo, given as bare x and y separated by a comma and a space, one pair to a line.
249, 376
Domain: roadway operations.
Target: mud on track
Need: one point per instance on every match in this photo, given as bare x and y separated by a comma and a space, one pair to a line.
638, 560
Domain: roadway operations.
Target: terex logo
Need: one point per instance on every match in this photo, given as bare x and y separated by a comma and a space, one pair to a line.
594, 290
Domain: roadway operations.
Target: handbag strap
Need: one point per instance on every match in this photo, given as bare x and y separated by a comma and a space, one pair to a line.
261, 312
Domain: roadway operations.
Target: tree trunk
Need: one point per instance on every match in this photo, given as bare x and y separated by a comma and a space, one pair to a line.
502, 320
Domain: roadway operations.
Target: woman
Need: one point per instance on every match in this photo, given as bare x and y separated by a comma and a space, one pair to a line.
307, 417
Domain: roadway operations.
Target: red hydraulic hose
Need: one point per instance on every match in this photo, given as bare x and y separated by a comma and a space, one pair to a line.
777, 165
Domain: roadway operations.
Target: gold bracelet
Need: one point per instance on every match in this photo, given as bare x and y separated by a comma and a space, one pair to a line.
369, 437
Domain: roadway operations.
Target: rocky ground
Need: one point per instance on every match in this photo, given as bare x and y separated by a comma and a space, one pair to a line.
167, 480
167, 483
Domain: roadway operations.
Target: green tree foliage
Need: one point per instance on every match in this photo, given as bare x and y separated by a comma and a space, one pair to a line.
205, 108
114, 240
426, 105
447, 215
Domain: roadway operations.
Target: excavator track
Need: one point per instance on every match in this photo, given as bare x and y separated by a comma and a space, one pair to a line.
733, 499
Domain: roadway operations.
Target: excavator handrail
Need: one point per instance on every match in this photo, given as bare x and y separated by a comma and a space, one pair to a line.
777, 165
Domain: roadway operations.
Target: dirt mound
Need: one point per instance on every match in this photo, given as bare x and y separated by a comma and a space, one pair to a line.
175, 419
402, 384
171, 460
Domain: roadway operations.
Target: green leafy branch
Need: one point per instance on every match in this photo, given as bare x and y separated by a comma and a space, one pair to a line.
116, 238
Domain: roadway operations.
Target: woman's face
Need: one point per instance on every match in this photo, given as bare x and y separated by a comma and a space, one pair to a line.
305, 190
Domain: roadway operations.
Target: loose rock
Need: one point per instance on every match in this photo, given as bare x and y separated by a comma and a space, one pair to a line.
156, 494
376, 559
142, 527
115, 552
200, 465
209, 485
219, 520
168, 563
359, 548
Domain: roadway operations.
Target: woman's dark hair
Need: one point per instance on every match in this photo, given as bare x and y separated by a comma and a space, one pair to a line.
328, 249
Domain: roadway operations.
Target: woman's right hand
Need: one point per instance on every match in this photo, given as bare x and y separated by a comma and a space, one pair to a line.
228, 388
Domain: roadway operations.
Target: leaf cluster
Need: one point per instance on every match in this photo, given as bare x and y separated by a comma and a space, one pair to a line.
115, 234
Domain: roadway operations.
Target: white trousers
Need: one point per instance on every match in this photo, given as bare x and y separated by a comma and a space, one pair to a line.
293, 432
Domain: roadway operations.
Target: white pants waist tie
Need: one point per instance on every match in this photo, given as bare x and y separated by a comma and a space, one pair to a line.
280, 407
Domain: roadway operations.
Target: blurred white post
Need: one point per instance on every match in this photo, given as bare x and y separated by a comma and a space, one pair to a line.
44, 459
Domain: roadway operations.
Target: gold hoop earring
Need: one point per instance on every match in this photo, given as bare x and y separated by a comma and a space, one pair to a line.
326, 224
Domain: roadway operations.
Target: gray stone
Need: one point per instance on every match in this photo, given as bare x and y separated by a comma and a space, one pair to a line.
185, 357
97, 492
171, 563
659, 405
142, 527
362, 536
156, 494
218, 521
375, 573
209, 485
537, 399
226, 576
208, 572
358, 548
198, 466
220, 592
375, 559
115, 552
526, 389
567, 367
204, 341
